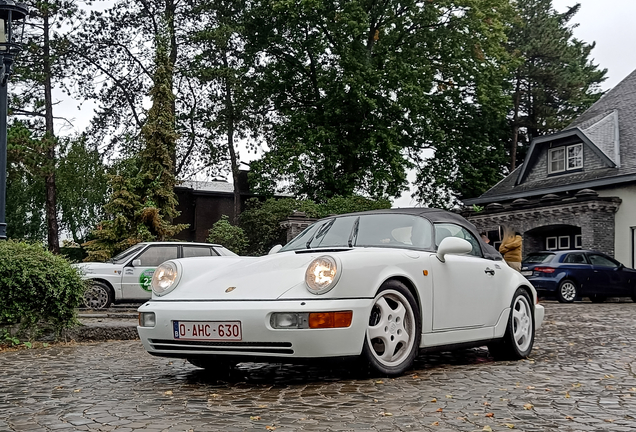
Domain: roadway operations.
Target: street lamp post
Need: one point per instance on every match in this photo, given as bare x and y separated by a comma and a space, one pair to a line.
12, 16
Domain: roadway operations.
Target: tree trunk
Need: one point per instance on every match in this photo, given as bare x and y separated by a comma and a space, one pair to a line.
515, 126
229, 122
169, 14
49, 138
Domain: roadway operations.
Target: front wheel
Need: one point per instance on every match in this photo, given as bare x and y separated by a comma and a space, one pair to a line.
393, 336
519, 337
567, 291
98, 296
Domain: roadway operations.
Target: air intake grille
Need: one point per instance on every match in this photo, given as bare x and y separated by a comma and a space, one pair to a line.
223, 347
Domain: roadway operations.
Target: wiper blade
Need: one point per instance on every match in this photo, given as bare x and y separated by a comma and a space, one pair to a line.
354, 232
320, 232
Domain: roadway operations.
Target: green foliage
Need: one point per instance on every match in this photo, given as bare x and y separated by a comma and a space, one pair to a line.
39, 289
143, 206
261, 221
228, 235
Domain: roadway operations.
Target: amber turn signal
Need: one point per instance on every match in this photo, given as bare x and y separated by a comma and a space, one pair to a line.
330, 319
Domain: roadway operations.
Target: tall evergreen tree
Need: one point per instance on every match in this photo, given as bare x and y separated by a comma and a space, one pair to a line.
555, 80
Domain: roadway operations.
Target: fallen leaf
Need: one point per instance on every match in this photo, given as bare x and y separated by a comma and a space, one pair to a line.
490, 414
270, 427
375, 400
487, 403
609, 376
77, 390
255, 417
503, 389
571, 343
386, 414
379, 382
435, 424
415, 376
576, 385
440, 409
168, 393
569, 418
462, 418
633, 389
528, 406
509, 425
530, 388
434, 400
609, 420
449, 396
567, 395
215, 395
487, 428
262, 406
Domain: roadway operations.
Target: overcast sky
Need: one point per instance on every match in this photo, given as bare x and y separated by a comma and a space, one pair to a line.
609, 23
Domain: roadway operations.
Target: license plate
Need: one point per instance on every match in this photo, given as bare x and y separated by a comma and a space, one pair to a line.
527, 273
207, 330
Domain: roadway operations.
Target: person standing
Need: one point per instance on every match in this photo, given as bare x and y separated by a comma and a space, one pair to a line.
510, 248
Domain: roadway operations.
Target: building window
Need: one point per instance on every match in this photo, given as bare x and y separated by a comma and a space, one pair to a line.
578, 241
565, 158
564, 242
551, 243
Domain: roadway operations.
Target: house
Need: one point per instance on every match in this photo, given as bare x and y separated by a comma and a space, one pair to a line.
202, 203
577, 187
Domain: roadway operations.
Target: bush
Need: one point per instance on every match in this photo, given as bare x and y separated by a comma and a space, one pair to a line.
228, 235
38, 289
261, 221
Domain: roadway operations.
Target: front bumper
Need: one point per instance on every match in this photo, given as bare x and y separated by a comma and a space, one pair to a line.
259, 339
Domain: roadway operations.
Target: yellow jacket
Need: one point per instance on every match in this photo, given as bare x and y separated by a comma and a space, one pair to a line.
510, 248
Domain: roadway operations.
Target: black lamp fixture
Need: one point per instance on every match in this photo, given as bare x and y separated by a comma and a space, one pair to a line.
12, 17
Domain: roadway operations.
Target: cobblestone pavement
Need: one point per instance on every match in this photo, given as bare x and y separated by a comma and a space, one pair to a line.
581, 377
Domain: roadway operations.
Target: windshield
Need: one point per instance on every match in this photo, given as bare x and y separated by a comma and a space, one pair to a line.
372, 230
123, 256
538, 258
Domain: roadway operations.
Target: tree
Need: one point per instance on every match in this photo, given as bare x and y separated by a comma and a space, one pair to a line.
225, 69
555, 80
44, 64
361, 89
143, 205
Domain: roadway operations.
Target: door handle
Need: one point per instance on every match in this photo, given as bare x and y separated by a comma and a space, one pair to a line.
489, 271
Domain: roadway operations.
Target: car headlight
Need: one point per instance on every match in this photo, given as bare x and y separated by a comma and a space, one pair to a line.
165, 278
321, 275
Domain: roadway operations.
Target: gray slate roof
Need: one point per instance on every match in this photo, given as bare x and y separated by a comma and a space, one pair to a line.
598, 124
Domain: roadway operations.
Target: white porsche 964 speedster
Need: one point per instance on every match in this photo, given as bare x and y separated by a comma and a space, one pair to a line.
380, 285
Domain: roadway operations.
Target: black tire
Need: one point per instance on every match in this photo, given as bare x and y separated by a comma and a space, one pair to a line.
98, 295
567, 292
519, 337
394, 324
596, 298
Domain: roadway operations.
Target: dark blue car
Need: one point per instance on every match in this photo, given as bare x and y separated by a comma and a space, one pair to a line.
572, 274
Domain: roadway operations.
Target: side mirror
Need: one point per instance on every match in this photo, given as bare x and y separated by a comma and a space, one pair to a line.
136, 263
274, 249
453, 246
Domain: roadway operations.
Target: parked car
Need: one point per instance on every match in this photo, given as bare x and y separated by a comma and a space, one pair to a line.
572, 274
381, 284
127, 276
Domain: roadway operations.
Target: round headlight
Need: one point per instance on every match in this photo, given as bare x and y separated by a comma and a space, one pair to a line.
321, 275
165, 278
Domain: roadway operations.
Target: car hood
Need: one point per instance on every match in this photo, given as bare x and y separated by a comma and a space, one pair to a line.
89, 268
239, 278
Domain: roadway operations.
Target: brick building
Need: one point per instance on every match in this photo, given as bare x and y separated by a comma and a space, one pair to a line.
576, 188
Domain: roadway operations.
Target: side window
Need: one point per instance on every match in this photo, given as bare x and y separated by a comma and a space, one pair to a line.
198, 251
602, 261
155, 255
575, 258
444, 230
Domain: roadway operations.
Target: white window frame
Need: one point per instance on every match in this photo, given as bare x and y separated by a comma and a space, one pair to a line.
578, 241
547, 243
566, 242
566, 158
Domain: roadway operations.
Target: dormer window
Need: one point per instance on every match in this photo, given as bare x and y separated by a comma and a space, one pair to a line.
566, 158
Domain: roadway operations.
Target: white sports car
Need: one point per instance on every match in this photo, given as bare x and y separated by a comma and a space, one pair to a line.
379, 285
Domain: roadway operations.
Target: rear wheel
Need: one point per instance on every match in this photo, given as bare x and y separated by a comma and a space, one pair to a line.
596, 298
519, 337
98, 295
393, 335
567, 291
